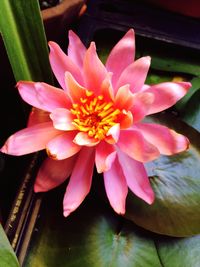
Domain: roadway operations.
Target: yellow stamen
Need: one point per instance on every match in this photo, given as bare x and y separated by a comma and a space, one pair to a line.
88, 93
94, 116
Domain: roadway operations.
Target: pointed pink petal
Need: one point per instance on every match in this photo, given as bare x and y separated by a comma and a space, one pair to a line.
43, 95
135, 145
167, 94
30, 139
60, 63
114, 131
52, 173
80, 181
166, 140
94, 70
141, 104
76, 49
62, 146
135, 74
107, 89
104, 157
116, 187
75, 90
62, 119
82, 139
124, 97
136, 178
125, 119
37, 116
121, 56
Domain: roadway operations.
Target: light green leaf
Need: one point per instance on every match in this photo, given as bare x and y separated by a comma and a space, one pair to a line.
7, 256
23, 34
179, 252
176, 183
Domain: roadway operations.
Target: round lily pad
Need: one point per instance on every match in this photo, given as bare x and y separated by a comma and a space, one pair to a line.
176, 183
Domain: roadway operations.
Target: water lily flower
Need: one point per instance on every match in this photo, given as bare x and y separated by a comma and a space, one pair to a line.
97, 120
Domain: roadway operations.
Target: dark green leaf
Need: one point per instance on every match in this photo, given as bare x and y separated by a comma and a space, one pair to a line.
182, 104
94, 236
23, 34
174, 64
191, 113
154, 78
176, 182
7, 256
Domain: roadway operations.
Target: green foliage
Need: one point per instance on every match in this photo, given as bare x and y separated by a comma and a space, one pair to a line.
191, 113
7, 256
176, 183
23, 34
94, 236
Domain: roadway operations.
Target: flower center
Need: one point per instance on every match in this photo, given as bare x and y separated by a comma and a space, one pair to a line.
94, 116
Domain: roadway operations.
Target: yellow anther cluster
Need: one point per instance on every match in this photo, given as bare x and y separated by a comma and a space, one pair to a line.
94, 116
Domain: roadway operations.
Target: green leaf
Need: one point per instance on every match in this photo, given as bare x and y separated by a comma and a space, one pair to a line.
23, 34
176, 183
154, 78
191, 113
174, 64
179, 252
182, 104
7, 256
93, 236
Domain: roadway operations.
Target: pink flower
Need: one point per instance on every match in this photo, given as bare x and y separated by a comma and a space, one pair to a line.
97, 120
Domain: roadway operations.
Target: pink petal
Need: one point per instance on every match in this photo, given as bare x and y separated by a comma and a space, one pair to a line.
136, 178
76, 91
116, 187
114, 132
124, 98
141, 104
80, 181
62, 146
107, 89
30, 139
76, 49
167, 94
125, 119
104, 157
121, 56
43, 96
62, 119
82, 139
38, 116
94, 70
166, 140
60, 63
52, 173
136, 146
135, 74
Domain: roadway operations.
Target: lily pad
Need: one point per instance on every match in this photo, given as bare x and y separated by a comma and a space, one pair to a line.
190, 97
176, 183
94, 236
191, 113
175, 65
179, 252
